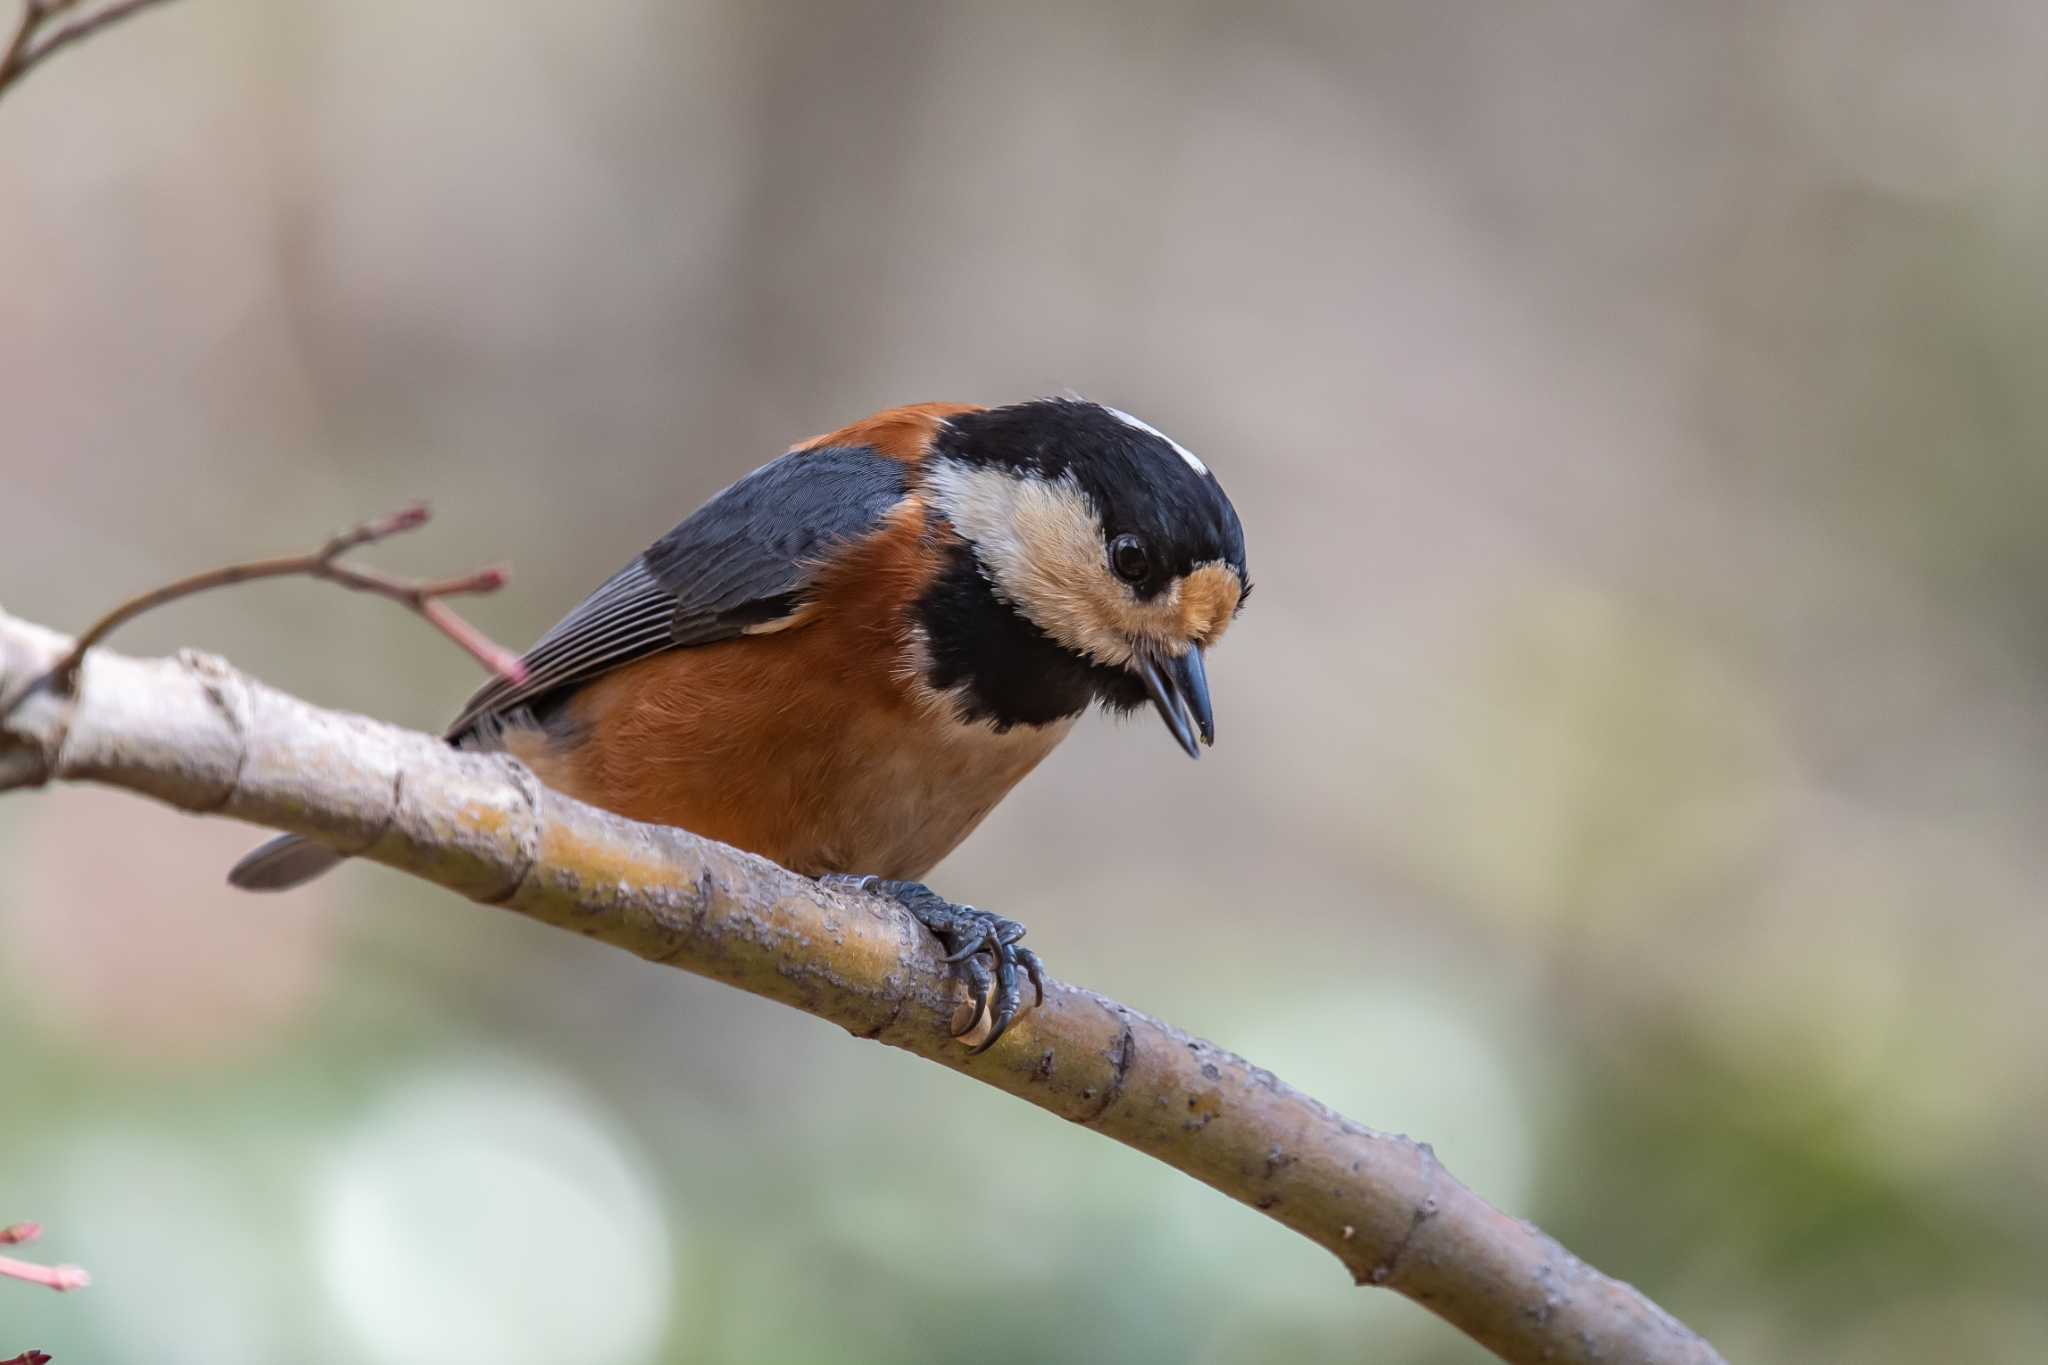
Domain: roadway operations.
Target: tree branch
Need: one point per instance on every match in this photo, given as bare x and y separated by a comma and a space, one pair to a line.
30, 45
194, 733
423, 599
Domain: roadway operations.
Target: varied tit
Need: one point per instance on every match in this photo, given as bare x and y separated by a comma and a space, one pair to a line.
844, 660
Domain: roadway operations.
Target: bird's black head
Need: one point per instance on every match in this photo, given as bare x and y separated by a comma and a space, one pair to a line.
1111, 550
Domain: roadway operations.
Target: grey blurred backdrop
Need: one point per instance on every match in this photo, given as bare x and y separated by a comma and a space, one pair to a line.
1632, 766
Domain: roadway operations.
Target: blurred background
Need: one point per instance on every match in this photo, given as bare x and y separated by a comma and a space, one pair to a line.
1632, 768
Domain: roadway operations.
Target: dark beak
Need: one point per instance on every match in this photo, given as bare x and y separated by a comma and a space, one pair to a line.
1179, 687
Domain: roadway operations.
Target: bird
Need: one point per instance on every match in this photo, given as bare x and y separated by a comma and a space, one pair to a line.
846, 658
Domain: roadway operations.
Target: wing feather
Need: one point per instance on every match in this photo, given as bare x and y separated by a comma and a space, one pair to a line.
743, 559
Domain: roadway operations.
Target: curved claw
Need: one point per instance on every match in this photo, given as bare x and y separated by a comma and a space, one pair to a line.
997, 1024
1036, 971
1009, 994
977, 993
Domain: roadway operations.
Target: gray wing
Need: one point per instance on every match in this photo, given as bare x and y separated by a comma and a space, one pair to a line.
743, 559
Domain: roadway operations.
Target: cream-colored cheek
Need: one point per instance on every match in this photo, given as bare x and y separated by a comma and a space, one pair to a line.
1044, 546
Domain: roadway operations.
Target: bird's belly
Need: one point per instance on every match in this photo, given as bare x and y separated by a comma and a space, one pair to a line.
741, 743
897, 802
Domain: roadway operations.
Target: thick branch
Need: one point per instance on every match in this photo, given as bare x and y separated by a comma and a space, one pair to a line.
195, 733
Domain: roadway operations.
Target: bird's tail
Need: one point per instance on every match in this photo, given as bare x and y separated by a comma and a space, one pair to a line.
283, 863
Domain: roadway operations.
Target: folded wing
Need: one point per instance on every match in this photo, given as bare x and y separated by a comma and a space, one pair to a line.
741, 562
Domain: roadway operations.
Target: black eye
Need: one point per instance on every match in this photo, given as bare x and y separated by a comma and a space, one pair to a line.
1128, 557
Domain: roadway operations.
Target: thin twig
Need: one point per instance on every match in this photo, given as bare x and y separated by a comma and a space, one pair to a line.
59, 1277
86, 27
11, 65
424, 599
24, 53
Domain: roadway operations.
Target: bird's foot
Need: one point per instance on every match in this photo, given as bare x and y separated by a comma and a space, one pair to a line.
966, 933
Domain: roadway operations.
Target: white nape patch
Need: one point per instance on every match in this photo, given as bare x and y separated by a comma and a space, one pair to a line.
1151, 430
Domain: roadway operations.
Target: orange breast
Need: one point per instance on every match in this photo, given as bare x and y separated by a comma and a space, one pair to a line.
804, 745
